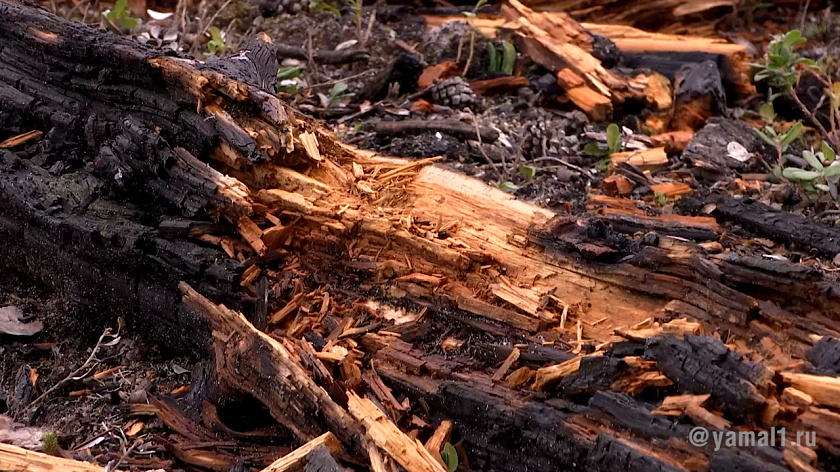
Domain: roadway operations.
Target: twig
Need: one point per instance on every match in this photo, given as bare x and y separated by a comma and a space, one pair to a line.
452, 127
827, 213
213, 18
481, 146
122, 457
72, 375
561, 161
323, 56
804, 14
369, 29
333, 82
472, 50
811, 116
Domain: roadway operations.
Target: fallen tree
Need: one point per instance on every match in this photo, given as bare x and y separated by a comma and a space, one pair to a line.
188, 199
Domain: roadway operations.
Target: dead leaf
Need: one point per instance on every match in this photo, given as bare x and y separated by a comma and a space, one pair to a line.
134, 429
737, 151
10, 323
421, 106
438, 71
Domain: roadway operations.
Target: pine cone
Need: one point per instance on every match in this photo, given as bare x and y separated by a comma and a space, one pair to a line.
551, 135
454, 92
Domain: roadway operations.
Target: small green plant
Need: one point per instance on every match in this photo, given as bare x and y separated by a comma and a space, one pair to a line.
501, 62
288, 74
450, 457
324, 6
51, 442
495, 60
508, 187
783, 69
823, 175
508, 57
613, 143
119, 16
529, 172
339, 92
471, 14
778, 141
661, 198
216, 45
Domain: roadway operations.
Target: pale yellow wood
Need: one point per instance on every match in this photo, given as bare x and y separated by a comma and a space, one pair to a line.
408, 452
552, 374
648, 159
296, 458
824, 390
16, 459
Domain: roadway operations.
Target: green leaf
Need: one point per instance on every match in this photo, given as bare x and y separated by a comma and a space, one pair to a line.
480, 4
318, 5
764, 74
129, 22
286, 73
338, 89
793, 38
812, 160
508, 58
768, 112
529, 172
509, 187
764, 138
493, 55
593, 150
792, 134
289, 89
613, 137
795, 173
822, 187
661, 198
832, 170
809, 63
827, 152
216, 35
449, 454
118, 11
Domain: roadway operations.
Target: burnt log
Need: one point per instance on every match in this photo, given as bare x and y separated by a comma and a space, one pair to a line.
779, 225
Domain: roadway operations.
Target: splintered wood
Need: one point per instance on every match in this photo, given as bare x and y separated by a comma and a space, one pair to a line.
296, 458
408, 452
558, 43
13, 458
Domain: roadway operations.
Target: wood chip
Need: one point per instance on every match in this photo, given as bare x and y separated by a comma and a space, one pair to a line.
514, 355
295, 459
648, 159
252, 234
21, 139
823, 389
310, 144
